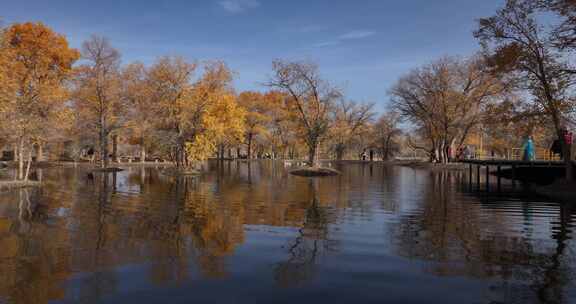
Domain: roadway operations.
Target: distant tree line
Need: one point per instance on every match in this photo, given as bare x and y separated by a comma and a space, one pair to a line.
520, 83
179, 110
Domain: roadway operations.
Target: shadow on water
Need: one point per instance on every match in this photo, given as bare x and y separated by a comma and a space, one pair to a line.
249, 230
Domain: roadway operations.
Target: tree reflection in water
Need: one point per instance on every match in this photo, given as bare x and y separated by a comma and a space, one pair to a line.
71, 239
21, 238
311, 243
461, 239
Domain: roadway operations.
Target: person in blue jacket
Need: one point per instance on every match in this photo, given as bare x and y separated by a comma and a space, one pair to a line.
528, 149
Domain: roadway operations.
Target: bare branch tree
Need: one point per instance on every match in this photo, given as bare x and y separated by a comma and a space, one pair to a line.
518, 45
351, 119
445, 100
311, 100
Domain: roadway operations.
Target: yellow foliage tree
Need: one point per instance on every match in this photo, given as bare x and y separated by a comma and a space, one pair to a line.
169, 84
257, 116
36, 63
212, 113
282, 130
194, 117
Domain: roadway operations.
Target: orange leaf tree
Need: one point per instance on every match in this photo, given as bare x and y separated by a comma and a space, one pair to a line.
36, 62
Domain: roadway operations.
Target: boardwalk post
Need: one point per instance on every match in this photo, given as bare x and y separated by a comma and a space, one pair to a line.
513, 176
478, 175
470, 175
499, 178
487, 177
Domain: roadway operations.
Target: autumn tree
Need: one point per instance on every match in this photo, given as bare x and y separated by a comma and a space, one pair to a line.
224, 124
517, 44
385, 134
311, 100
140, 106
98, 91
35, 64
504, 123
257, 116
212, 113
444, 100
7, 83
281, 133
351, 120
196, 116
169, 81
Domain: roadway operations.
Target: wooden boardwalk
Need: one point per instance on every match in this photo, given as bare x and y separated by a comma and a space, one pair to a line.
513, 163
474, 174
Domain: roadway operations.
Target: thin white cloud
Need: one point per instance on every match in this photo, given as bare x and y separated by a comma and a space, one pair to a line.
351, 35
238, 6
326, 44
356, 35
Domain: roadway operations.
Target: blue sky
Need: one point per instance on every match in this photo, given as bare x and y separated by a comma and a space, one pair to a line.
362, 46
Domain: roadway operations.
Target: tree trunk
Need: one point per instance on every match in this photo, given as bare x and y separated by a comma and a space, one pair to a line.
21, 159
250, 146
180, 149
142, 176
340, 152
312, 155
28, 165
115, 148
386, 154
103, 146
16, 152
103, 151
221, 152
142, 152
40, 153
443, 158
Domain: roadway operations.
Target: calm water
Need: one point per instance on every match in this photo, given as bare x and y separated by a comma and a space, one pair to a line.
254, 234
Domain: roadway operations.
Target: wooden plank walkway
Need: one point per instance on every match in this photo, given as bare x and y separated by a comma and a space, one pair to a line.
499, 164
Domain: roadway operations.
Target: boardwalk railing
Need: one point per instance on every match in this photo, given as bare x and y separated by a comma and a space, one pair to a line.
517, 154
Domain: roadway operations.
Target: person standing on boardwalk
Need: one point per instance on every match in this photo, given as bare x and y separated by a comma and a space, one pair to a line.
528, 149
556, 148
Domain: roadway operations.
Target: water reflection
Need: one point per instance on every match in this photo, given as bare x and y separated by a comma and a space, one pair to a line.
312, 241
483, 239
108, 237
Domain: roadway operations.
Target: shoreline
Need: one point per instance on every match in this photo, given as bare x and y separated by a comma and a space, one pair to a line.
15, 184
432, 166
55, 164
314, 172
